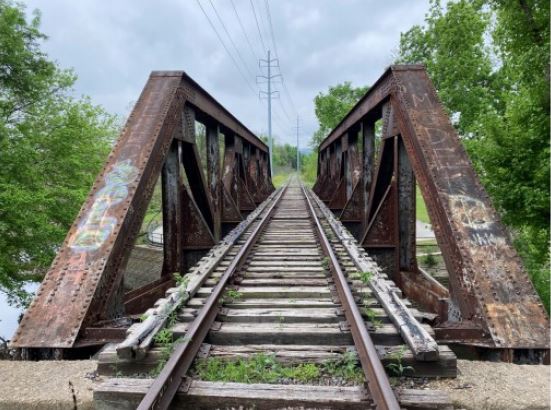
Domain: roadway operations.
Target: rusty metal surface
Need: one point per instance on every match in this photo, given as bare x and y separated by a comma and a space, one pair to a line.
84, 283
377, 379
163, 389
85, 271
206, 104
488, 281
488, 284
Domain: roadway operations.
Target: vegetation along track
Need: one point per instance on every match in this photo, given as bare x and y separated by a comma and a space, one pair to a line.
278, 315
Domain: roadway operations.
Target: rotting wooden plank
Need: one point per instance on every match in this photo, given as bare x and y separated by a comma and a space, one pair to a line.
246, 273
282, 315
109, 364
291, 264
269, 302
290, 354
424, 399
287, 333
275, 269
293, 333
125, 394
284, 292
273, 257
296, 281
446, 366
285, 302
283, 275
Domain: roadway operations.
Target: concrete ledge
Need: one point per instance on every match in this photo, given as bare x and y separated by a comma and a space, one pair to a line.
46, 385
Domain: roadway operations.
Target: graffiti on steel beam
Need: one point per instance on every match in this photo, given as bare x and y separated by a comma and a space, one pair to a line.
475, 216
97, 225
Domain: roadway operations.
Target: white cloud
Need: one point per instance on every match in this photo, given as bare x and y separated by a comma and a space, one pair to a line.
113, 46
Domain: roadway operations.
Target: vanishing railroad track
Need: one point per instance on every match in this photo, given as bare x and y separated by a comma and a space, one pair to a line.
285, 294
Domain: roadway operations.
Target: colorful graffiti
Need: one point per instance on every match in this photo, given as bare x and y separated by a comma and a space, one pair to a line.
97, 225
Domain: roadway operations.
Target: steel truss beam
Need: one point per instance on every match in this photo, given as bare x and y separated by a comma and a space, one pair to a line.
489, 289
84, 285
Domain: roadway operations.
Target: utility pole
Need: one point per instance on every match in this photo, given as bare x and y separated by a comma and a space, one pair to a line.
298, 147
269, 63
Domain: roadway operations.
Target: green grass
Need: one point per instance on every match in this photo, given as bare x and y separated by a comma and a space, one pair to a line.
421, 208
232, 294
279, 179
263, 368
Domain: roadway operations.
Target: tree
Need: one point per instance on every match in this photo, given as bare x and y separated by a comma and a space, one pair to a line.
51, 148
452, 48
331, 108
490, 64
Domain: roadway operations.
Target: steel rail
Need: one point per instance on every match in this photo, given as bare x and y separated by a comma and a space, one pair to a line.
377, 379
164, 388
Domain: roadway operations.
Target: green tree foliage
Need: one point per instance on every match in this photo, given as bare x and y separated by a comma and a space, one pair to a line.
489, 61
451, 45
309, 167
331, 107
285, 156
51, 148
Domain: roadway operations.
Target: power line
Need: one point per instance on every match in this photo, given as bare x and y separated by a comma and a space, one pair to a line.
258, 27
244, 31
269, 94
283, 124
287, 93
230, 38
271, 27
226, 48
284, 110
281, 129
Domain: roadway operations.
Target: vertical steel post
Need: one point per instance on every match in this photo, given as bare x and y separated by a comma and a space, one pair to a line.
269, 65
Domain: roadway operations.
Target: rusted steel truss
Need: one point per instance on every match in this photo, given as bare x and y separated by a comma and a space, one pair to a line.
84, 285
491, 301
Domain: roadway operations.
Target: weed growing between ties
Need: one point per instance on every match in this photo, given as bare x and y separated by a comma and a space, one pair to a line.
325, 263
265, 368
166, 342
231, 295
365, 277
371, 316
181, 280
396, 367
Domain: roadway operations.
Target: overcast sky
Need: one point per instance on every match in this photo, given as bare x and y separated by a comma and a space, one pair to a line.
114, 45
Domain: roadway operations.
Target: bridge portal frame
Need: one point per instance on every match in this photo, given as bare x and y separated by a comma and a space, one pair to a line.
370, 184
81, 300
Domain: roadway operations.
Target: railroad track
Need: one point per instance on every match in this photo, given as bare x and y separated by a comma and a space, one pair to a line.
286, 313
